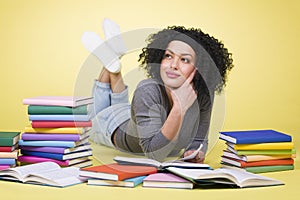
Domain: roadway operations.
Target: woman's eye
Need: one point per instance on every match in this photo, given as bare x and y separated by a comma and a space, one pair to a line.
185, 60
168, 55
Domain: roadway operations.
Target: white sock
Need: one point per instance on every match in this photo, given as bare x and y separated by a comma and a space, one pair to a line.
113, 36
95, 45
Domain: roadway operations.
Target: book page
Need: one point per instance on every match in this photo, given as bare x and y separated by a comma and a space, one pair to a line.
60, 177
23, 171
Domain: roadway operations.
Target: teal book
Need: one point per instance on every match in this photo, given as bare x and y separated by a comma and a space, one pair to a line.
131, 182
9, 138
58, 110
254, 136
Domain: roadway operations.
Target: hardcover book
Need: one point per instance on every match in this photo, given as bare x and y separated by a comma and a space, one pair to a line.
261, 169
14, 154
52, 143
60, 124
58, 110
60, 150
238, 178
73, 130
116, 172
54, 136
83, 118
254, 136
262, 146
71, 101
167, 180
46, 173
9, 138
130, 182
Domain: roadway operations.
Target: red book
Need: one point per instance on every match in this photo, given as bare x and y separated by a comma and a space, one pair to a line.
116, 171
60, 124
242, 164
8, 148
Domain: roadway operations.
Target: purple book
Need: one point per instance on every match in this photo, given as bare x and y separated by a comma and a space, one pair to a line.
53, 137
59, 150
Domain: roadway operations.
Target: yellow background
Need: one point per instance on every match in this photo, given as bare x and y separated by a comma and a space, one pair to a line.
41, 52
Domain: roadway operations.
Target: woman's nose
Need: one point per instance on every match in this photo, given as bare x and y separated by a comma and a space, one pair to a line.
174, 63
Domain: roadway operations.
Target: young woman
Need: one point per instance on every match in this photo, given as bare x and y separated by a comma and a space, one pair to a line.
170, 111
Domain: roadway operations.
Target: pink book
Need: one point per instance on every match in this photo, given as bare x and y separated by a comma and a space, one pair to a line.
2, 167
70, 101
34, 159
60, 124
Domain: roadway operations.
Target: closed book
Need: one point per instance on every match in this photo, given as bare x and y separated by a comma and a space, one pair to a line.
13, 154
261, 169
58, 110
167, 180
71, 101
9, 138
83, 118
52, 143
263, 146
56, 155
65, 163
60, 124
73, 130
262, 152
130, 182
254, 136
251, 158
2, 167
7, 161
60, 150
116, 172
240, 163
8, 148
58, 137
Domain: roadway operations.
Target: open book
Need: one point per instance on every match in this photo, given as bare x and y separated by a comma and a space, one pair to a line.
159, 165
45, 173
233, 177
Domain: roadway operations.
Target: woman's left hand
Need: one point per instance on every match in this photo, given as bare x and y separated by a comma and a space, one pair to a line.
199, 158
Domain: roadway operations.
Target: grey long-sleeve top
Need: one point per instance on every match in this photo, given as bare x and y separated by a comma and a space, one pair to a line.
149, 110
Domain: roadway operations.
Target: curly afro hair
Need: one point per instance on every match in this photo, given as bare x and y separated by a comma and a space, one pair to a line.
216, 58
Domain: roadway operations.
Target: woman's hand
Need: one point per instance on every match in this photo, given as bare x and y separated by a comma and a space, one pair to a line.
184, 96
199, 158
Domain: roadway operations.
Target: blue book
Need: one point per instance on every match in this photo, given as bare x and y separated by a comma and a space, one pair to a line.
82, 118
57, 156
131, 182
254, 136
47, 143
7, 161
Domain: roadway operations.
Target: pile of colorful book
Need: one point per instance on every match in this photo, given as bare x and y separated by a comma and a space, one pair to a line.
8, 149
58, 131
258, 151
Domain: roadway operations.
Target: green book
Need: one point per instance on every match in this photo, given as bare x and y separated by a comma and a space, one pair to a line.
63, 110
261, 169
9, 138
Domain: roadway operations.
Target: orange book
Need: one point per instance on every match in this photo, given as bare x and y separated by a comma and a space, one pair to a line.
116, 171
243, 164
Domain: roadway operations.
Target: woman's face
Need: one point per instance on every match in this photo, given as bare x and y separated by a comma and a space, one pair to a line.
177, 64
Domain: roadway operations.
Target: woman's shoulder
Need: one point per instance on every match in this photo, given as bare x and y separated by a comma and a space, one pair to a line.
148, 84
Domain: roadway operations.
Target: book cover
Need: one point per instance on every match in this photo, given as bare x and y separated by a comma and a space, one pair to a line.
130, 182
65, 163
254, 136
60, 124
9, 138
58, 110
167, 180
59, 150
57, 156
83, 118
74, 130
251, 158
262, 146
47, 173
71, 101
242, 164
226, 176
116, 172
261, 169
58, 137
52, 143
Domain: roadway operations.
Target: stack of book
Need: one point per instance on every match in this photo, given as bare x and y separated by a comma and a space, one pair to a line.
58, 131
8, 149
258, 151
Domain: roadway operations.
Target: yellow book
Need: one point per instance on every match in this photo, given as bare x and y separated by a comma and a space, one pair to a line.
263, 146
64, 130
